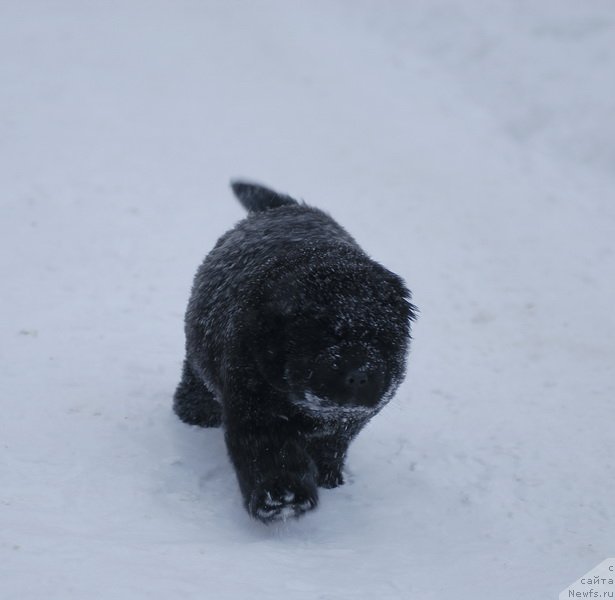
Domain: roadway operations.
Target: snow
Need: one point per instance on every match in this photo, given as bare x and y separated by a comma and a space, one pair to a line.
469, 147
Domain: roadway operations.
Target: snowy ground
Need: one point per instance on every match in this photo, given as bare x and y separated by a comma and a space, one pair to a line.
469, 146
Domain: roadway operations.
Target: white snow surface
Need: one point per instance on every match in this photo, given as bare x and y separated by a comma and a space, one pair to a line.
468, 146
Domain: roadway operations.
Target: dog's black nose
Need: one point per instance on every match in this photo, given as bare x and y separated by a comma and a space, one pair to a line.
356, 380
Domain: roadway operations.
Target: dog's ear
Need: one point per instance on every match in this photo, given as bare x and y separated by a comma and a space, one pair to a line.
267, 328
398, 295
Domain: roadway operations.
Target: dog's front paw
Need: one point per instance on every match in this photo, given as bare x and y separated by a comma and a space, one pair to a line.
282, 497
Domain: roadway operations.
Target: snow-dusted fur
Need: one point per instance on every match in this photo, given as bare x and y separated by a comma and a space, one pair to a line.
294, 340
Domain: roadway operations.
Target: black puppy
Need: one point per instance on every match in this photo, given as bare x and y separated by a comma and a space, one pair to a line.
295, 338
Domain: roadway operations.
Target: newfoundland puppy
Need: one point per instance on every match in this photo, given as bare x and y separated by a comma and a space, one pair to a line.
295, 339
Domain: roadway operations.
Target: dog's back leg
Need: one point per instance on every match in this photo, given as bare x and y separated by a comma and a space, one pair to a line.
193, 403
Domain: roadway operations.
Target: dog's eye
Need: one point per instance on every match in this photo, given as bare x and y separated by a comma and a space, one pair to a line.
329, 358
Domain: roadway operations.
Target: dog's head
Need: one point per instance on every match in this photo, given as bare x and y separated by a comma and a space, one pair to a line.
335, 338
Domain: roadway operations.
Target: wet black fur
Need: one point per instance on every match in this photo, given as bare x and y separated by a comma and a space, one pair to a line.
295, 338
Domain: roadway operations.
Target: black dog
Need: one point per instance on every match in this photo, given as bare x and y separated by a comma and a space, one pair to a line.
294, 340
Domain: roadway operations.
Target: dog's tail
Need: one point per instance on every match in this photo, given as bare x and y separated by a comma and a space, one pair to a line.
256, 198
